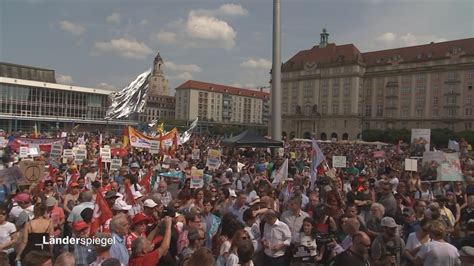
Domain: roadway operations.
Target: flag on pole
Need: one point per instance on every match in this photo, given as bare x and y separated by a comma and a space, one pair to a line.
36, 135
317, 157
281, 174
145, 182
102, 213
128, 194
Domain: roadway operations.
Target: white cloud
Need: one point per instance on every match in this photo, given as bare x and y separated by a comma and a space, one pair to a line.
165, 37
105, 86
64, 79
187, 68
210, 28
114, 18
184, 76
125, 48
386, 37
256, 63
393, 40
70, 27
222, 11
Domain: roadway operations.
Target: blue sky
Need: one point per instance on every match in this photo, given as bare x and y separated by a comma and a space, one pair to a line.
107, 43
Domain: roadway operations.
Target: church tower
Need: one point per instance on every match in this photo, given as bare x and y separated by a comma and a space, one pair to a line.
158, 83
324, 38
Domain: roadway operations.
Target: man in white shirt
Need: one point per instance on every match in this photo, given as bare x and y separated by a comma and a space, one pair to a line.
294, 218
438, 252
276, 239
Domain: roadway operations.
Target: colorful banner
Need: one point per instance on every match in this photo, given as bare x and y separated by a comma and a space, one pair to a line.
169, 141
44, 143
138, 139
420, 141
441, 166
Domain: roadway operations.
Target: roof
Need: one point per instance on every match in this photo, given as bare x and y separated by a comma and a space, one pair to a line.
333, 53
418, 53
250, 138
205, 86
27, 72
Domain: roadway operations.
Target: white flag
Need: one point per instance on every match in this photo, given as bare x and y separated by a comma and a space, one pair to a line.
281, 174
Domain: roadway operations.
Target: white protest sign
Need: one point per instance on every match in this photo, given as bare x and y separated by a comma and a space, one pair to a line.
106, 155
195, 154
81, 155
154, 146
411, 165
281, 152
115, 164
339, 162
63, 134
56, 150
33, 151
24, 151
68, 154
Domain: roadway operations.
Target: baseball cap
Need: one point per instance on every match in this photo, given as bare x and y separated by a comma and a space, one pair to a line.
137, 194
134, 165
51, 201
149, 203
121, 205
388, 222
74, 184
79, 226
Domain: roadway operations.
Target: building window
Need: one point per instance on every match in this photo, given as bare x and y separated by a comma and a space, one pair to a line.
347, 108
324, 109
451, 112
435, 100
335, 82
368, 110
335, 91
404, 112
468, 125
347, 81
452, 75
420, 90
347, 91
368, 92
379, 92
435, 89
405, 90
335, 108
406, 79
451, 100
420, 77
325, 92
468, 111
325, 82
420, 101
435, 112
379, 112
468, 99
419, 112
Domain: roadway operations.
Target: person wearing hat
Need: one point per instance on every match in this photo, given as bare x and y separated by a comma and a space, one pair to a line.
83, 251
110, 197
388, 248
135, 171
121, 206
22, 204
138, 228
150, 211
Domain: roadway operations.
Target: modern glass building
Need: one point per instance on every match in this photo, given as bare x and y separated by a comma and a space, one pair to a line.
51, 106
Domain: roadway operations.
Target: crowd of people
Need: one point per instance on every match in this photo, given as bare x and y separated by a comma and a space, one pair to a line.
370, 213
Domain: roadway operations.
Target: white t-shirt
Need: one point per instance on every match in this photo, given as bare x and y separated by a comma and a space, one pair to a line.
437, 253
6, 230
413, 242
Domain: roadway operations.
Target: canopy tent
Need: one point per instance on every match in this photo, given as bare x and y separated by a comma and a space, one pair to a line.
250, 138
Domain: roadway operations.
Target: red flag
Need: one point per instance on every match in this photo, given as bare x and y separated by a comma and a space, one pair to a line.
145, 182
102, 213
52, 173
73, 179
128, 194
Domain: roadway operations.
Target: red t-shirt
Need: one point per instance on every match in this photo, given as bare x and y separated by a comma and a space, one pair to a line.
151, 258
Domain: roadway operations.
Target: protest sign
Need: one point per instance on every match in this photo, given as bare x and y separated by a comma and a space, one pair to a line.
115, 164
441, 166
32, 170
411, 165
197, 180
81, 155
213, 159
154, 146
105, 154
420, 141
379, 154
339, 162
281, 152
34, 151
68, 154
195, 154
56, 150
24, 152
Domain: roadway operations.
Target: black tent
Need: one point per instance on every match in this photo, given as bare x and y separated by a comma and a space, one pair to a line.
250, 138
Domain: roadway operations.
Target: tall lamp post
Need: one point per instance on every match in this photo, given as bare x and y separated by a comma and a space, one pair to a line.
276, 73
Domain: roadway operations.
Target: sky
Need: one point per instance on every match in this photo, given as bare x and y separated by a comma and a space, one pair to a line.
107, 43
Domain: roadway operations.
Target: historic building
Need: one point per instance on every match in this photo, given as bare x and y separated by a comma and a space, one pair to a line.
221, 104
30, 96
159, 104
336, 91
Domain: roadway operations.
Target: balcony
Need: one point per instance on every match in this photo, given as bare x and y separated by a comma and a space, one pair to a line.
452, 80
452, 93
